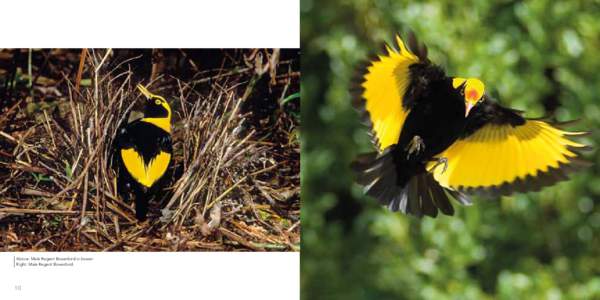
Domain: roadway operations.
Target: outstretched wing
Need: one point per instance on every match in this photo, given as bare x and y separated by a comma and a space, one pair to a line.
501, 152
384, 85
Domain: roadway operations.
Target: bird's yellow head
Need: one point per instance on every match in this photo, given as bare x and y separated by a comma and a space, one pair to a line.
472, 89
156, 110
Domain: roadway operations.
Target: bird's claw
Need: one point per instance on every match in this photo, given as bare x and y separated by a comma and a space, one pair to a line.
441, 161
416, 145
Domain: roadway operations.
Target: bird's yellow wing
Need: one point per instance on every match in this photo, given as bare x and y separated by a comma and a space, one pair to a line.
501, 158
383, 88
145, 174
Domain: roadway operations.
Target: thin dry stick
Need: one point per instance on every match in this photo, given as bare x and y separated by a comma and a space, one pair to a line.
85, 196
36, 211
108, 52
82, 57
231, 235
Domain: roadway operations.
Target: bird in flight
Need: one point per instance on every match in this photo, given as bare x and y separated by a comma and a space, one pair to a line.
440, 137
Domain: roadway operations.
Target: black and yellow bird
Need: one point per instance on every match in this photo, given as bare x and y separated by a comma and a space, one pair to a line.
143, 150
441, 137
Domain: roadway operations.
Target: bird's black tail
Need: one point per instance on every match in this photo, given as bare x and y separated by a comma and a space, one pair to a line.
415, 194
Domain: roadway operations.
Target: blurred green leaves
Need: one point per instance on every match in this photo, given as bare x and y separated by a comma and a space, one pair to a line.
539, 56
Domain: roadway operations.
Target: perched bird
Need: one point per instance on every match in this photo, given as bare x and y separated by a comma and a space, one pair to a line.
440, 137
143, 150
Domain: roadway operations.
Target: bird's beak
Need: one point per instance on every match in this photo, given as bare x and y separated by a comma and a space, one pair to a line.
144, 91
468, 107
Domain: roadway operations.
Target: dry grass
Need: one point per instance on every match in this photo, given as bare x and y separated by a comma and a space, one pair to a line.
235, 186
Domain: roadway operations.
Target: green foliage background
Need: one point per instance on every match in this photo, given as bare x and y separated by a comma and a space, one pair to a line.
529, 246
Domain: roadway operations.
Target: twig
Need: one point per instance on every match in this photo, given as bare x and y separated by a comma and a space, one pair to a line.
32, 192
36, 211
82, 57
96, 73
30, 84
89, 237
85, 196
239, 239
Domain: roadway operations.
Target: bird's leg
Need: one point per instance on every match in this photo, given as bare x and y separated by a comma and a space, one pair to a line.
415, 145
123, 189
440, 161
141, 206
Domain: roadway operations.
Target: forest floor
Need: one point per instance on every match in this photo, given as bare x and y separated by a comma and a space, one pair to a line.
236, 153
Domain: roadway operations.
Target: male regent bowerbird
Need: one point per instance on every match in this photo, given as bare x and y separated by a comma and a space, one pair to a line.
441, 137
143, 150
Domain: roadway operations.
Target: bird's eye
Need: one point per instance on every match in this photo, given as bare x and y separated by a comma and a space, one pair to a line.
157, 102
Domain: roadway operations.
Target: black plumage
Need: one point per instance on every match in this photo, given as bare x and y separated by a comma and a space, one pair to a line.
143, 151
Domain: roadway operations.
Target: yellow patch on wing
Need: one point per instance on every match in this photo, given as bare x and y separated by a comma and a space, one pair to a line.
146, 175
384, 87
498, 154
